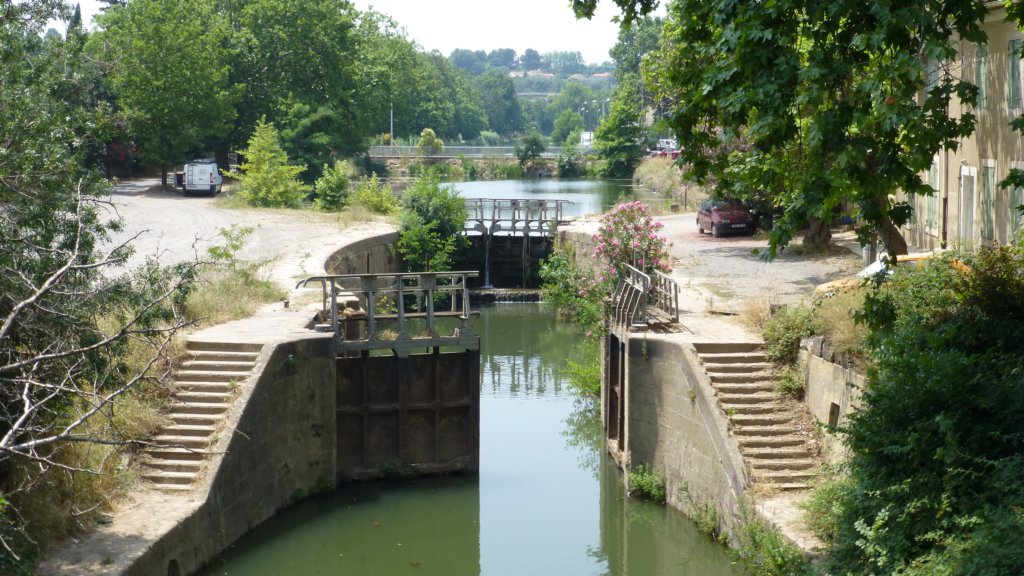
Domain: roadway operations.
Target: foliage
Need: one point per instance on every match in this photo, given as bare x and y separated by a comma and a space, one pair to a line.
490, 138
662, 176
171, 82
619, 138
374, 195
761, 547
331, 190
73, 316
266, 177
432, 219
822, 510
628, 235
817, 106
573, 291
570, 159
584, 372
783, 333
503, 171
789, 382
647, 484
504, 114
934, 483
835, 319
529, 148
429, 144
568, 122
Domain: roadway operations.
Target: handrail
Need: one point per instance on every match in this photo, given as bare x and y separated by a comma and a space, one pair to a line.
489, 215
396, 296
636, 292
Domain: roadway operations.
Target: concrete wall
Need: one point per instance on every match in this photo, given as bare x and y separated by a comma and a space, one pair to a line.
673, 423
832, 393
580, 236
374, 255
283, 448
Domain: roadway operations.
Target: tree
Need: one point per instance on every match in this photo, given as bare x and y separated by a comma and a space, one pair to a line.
563, 63
331, 190
502, 58
619, 138
570, 160
500, 102
266, 176
432, 220
831, 106
568, 121
69, 308
172, 82
429, 144
473, 62
529, 148
530, 60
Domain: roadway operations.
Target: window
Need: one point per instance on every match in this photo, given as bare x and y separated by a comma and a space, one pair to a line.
932, 217
981, 74
988, 192
1013, 75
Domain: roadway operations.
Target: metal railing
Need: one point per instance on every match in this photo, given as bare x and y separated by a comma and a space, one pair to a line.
639, 300
487, 215
387, 306
455, 152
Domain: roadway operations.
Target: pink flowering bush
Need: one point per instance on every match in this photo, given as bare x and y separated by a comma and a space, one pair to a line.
629, 235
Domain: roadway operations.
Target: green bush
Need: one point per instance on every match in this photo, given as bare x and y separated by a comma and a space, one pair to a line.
789, 382
503, 171
374, 195
266, 177
331, 190
573, 291
646, 484
432, 219
529, 148
584, 372
783, 332
937, 448
762, 548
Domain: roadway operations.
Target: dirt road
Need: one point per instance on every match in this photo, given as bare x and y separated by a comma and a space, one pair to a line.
294, 244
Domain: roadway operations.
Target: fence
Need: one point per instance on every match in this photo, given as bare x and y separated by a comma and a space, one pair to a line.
639, 301
455, 152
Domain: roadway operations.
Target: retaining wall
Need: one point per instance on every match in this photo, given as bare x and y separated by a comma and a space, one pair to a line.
673, 424
832, 393
373, 255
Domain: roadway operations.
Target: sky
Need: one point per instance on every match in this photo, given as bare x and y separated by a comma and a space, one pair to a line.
444, 25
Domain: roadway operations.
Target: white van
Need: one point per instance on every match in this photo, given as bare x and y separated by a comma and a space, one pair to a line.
201, 176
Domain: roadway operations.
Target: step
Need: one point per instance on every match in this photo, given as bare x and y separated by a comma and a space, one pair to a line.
195, 419
755, 398
194, 442
217, 366
177, 408
761, 419
191, 397
168, 453
745, 387
211, 376
172, 465
189, 430
770, 441
774, 477
775, 452
224, 356
711, 348
743, 367
165, 478
734, 410
219, 346
783, 465
198, 386
772, 430
742, 358
740, 378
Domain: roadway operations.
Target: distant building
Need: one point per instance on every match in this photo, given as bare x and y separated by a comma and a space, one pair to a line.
602, 75
586, 140
539, 74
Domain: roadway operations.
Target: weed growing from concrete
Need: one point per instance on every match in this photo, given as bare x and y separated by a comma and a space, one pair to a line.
647, 484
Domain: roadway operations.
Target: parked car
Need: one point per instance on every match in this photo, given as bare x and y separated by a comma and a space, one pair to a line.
200, 176
724, 217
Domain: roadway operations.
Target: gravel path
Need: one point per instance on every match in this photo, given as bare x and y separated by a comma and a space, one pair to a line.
294, 243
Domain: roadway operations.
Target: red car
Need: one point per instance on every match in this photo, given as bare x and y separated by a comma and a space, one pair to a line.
724, 217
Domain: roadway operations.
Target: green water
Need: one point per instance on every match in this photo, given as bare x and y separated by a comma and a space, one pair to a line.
546, 501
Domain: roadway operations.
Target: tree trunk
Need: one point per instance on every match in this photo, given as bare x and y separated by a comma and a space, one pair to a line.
895, 244
818, 235
163, 175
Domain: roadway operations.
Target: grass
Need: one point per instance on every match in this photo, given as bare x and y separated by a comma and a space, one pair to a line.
647, 484
223, 295
761, 547
835, 321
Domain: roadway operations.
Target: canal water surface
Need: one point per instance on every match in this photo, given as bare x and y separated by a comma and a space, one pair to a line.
545, 502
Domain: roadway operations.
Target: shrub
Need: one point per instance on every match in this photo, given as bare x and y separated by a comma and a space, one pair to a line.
490, 138
573, 291
782, 334
628, 235
429, 144
432, 219
763, 549
331, 190
529, 148
789, 383
584, 373
266, 177
374, 195
570, 161
646, 484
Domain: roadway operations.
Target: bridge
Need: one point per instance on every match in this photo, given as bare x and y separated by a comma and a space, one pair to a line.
515, 217
455, 152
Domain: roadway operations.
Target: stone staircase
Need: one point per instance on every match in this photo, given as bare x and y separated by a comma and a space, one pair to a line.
201, 394
779, 451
